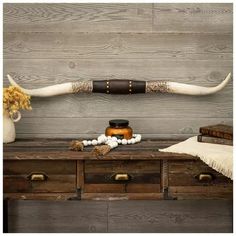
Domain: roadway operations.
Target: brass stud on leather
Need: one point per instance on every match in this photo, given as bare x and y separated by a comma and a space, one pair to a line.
108, 86
130, 87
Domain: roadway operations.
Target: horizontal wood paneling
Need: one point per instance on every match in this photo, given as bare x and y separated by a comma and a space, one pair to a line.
87, 127
38, 45
78, 17
49, 71
54, 217
200, 17
121, 216
170, 216
45, 44
100, 106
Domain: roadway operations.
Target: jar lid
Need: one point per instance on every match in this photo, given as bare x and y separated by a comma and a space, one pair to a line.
118, 123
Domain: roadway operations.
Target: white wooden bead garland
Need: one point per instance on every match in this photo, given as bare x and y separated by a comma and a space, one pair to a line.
113, 142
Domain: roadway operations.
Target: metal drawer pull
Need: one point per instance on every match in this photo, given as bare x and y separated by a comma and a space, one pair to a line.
37, 177
121, 177
205, 177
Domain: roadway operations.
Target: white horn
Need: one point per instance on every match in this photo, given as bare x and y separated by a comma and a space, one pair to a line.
58, 89
180, 88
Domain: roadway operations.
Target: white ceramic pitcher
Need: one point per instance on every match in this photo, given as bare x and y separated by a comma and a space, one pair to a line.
9, 132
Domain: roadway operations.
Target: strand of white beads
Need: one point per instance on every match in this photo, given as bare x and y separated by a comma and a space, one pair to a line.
112, 141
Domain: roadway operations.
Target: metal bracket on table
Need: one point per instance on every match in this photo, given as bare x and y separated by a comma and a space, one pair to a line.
165, 180
77, 197
166, 195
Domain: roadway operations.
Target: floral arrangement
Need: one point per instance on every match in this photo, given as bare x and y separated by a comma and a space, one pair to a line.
15, 99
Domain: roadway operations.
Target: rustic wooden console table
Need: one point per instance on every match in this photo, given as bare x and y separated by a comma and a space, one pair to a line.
45, 169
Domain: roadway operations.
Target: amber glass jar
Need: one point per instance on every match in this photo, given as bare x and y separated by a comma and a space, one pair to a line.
119, 129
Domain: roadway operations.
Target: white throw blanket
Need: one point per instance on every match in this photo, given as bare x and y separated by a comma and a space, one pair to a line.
218, 157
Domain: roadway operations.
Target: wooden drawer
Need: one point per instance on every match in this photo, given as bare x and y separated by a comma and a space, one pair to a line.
60, 176
196, 179
100, 176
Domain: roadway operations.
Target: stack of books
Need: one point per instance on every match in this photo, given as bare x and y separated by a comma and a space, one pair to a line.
217, 134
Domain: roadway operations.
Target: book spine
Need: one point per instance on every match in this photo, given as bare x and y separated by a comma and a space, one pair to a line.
216, 134
214, 140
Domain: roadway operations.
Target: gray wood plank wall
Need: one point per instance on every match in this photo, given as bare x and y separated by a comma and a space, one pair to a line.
45, 44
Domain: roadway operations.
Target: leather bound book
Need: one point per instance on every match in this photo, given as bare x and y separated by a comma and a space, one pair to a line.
214, 140
220, 131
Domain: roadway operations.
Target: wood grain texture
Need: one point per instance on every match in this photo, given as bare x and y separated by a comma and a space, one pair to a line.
170, 216
51, 150
45, 44
59, 178
188, 18
186, 173
121, 196
133, 216
122, 188
88, 128
40, 196
48, 71
54, 217
42, 45
78, 17
122, 166
80, 174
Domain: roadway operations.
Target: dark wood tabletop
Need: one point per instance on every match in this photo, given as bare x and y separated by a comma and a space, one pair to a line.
50, 149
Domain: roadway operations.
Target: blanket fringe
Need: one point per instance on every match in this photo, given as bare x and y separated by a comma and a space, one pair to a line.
218, 167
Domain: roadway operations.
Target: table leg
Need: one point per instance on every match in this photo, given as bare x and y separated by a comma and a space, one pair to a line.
5, 215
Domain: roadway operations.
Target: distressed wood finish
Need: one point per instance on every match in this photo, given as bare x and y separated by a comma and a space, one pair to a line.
78, 17
122, 188
50, 71
59, 178
46, 44
80, 175
194, 216
184, 181
54, 217
144, 176
189, 216
41, 196
87, 128
122, 166
186, 173
121, 196
50, 149
188, 18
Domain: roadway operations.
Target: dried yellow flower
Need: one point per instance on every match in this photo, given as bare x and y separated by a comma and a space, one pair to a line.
14, 99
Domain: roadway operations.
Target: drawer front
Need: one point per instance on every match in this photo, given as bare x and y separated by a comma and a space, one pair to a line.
39, 176
190, 179
122, 176
194, 173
